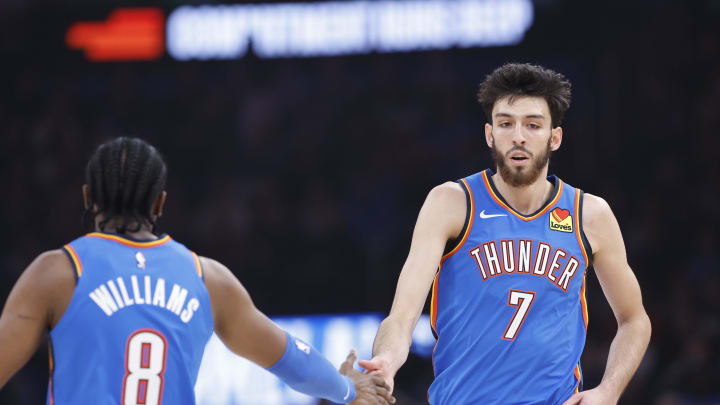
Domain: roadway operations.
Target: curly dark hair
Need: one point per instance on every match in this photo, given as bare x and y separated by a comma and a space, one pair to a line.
524, 79
124, 178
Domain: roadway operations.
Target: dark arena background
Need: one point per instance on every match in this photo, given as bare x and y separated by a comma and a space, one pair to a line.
301, 147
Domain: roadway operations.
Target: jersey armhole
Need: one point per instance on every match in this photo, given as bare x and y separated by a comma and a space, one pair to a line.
454, 244
74, 261
583, 238
198, 266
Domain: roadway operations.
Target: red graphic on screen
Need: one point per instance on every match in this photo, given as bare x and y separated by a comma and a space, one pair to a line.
128, 34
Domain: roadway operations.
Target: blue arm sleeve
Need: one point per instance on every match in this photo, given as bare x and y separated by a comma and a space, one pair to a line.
304, 369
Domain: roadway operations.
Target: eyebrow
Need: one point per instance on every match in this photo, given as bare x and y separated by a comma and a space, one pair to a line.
500, 114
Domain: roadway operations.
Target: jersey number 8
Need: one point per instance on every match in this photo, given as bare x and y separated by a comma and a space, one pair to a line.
144, 367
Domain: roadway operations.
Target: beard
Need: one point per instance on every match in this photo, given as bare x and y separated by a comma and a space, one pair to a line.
517, 177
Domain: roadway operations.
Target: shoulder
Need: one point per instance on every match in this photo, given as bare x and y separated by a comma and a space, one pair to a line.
228, 298
219, 280
599, 223
444, 210
595, 210
448, 195
215, 273
52, 265
48, 281
448, 199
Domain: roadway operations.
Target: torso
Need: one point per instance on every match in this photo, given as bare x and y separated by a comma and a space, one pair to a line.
136, 322
508, 301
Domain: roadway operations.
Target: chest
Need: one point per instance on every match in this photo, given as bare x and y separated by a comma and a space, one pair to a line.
504, 250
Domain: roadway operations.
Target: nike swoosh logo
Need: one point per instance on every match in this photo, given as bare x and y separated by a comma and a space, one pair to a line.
483, 215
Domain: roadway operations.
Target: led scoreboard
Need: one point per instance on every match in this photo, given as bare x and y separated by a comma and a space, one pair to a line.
290, 30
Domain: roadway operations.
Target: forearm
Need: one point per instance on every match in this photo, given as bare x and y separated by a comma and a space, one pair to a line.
626, 352
393, 342
307, 371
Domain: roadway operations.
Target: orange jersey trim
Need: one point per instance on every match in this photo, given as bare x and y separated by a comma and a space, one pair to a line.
433, 299
52, 368
583, 299
577, 376
76, 261
436, 281
469, 226
577, 227
500, 202
198, 267
128, 242
583, 303
433, 319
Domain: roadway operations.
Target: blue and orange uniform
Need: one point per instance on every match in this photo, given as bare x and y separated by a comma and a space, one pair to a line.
136, 326
508, 301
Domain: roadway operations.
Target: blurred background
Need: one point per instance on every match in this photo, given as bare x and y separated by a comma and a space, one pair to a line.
304, 171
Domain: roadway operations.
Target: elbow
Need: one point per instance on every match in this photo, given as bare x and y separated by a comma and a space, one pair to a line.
648, 325
644, 321
640, 324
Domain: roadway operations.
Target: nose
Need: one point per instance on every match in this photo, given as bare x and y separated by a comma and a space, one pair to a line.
518, 138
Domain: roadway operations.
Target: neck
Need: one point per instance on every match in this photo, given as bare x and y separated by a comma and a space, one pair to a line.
143, 233
525, 199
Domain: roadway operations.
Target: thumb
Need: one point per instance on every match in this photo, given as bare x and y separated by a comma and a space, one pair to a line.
349, 362
575, 399
370, 365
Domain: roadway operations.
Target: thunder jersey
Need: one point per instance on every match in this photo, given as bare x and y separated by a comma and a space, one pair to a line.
508, 302
136, 327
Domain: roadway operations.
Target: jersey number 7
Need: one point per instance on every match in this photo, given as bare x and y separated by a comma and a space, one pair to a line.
523, 301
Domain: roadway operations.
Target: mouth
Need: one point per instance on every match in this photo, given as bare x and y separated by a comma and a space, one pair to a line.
518, 158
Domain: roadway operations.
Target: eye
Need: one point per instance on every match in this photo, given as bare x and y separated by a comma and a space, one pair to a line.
534, 125
504, 124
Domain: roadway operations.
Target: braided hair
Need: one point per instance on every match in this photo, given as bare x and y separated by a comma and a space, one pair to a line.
124, 178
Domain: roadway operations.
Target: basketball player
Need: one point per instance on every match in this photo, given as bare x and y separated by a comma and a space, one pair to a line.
129, 312
506, 253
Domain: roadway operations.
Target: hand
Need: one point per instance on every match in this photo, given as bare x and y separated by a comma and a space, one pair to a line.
379, 366
595, 396
370, 390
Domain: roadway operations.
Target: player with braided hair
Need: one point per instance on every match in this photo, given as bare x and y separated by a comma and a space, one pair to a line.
129, 311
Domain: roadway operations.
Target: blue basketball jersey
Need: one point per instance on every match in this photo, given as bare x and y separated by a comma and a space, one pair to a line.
508, 302
136, 327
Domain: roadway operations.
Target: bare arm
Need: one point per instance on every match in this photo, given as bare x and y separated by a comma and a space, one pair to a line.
242, 327
622, 291
441, 219
249, 333
36, 303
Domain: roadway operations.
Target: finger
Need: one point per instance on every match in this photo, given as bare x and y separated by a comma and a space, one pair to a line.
384, 383
349, 362
369, 364
384, 392
381, 401
379, 381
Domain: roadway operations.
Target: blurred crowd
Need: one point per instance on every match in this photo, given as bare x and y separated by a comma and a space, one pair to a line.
305, 177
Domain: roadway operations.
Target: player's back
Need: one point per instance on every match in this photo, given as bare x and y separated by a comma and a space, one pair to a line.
136, 326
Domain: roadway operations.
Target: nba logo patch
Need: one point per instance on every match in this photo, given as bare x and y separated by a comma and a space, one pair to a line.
140, 260
302, 346
561, 220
